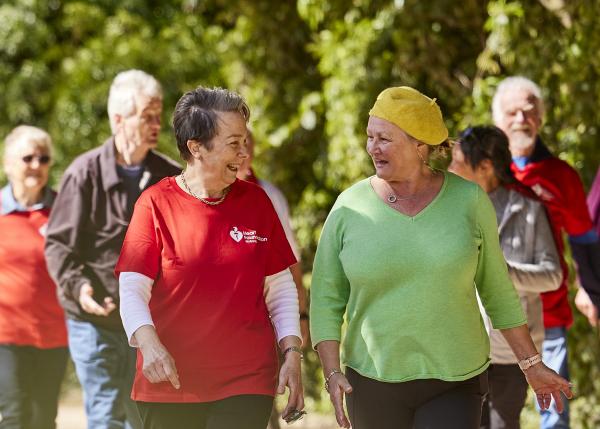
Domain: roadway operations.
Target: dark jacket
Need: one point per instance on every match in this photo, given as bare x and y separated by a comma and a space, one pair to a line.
87, 227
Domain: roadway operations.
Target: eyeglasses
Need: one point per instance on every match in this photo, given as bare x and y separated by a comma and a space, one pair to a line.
42, 159
294, 416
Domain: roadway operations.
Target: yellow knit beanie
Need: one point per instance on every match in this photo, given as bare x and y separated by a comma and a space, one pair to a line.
416, 114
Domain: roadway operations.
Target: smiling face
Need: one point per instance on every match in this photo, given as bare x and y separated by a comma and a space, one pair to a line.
391, 149
519, 117
221, 164
27, 164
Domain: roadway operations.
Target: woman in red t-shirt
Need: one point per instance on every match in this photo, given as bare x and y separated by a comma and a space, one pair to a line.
205, 285
33, 333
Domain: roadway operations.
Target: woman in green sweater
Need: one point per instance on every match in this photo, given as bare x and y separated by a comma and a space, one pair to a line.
400, 258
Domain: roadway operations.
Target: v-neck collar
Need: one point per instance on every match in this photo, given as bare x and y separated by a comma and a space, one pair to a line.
423, 211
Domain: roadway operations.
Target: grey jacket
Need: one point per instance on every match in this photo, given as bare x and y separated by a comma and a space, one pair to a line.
87, 227
530, 252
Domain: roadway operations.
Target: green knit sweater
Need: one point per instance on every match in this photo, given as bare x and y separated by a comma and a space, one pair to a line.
406, 285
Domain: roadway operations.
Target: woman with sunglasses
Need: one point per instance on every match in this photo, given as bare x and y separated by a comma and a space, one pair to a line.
33, 336
400, 258
482, 156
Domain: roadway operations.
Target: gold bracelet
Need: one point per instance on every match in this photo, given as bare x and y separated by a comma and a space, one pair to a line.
331, 374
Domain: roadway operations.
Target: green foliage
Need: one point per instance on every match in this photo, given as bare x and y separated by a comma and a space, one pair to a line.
556, 45
310, 71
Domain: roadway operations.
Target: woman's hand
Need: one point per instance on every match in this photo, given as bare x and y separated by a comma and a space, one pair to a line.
290, 375
547, 384
158, 364
338, 385
336, 382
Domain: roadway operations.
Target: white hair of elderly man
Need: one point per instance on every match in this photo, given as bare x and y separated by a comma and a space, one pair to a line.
514, 83
124, 90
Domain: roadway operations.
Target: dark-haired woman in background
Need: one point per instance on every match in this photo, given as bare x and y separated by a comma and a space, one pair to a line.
482, 156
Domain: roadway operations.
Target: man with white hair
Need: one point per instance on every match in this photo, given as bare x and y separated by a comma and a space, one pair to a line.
518, 110
84, 238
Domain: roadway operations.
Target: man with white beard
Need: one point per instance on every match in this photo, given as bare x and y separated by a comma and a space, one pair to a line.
518, 110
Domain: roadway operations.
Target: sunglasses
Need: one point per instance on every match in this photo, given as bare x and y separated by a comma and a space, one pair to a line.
42, 159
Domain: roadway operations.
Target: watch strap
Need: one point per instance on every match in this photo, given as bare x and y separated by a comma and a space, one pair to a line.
527, 363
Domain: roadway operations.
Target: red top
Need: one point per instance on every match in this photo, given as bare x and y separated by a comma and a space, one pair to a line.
30, 314
559, 188
209, 264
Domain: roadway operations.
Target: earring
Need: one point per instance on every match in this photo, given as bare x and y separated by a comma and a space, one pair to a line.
423, 159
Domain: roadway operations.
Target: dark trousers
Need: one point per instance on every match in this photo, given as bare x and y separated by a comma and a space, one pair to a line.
417, 404
508, 392
30, 380
236, 412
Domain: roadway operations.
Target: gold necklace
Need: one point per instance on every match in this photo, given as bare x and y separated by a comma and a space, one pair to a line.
204, 200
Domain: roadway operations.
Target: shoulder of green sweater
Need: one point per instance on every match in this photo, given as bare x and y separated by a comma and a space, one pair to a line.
464, 188
355, 193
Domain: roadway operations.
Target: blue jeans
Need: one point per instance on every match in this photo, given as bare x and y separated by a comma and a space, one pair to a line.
555, 357
105, 366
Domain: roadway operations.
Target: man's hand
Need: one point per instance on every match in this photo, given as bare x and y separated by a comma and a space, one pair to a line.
89, 304
586, 307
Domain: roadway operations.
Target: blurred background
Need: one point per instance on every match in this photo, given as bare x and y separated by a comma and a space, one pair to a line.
310, 70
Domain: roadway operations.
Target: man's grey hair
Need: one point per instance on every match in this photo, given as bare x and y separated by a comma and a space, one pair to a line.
124, 90
514, 83
27, 132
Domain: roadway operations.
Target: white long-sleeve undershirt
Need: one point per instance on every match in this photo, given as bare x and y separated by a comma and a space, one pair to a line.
281, 298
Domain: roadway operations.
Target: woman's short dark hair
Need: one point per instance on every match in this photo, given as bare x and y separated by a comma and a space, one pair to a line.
195, 116
487, 142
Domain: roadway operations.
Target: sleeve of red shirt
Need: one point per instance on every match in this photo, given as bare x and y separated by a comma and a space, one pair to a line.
141, 249
280, 254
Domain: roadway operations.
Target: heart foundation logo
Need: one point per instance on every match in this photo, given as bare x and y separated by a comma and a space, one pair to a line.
236, 234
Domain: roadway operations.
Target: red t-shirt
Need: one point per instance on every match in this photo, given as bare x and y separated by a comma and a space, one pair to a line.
560, 189
30, 314
209, 264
